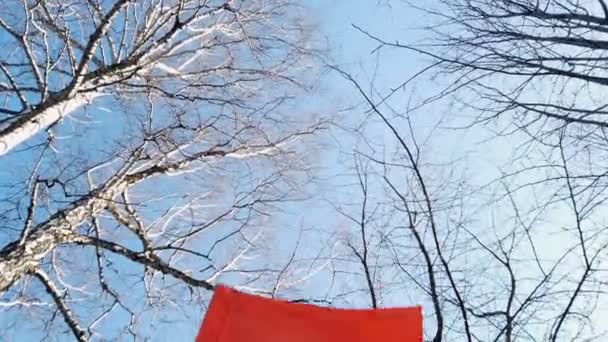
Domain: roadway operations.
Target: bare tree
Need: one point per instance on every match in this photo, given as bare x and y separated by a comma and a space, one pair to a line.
363, 222
143, 146
480, 279
518, 257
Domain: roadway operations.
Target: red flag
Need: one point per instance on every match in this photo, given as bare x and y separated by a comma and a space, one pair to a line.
239, 317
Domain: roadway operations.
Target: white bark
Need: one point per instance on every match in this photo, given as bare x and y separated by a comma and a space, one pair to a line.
15, 260
11, 136
193, 75
18, 258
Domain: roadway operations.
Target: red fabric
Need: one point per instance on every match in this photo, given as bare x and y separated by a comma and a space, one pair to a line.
238, 317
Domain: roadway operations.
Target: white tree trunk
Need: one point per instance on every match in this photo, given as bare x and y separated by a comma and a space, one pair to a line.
16, 259
32, 123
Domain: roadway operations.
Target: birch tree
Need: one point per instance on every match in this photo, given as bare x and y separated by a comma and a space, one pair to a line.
143, 147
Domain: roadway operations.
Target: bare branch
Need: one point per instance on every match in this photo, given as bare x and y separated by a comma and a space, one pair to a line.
59, 299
